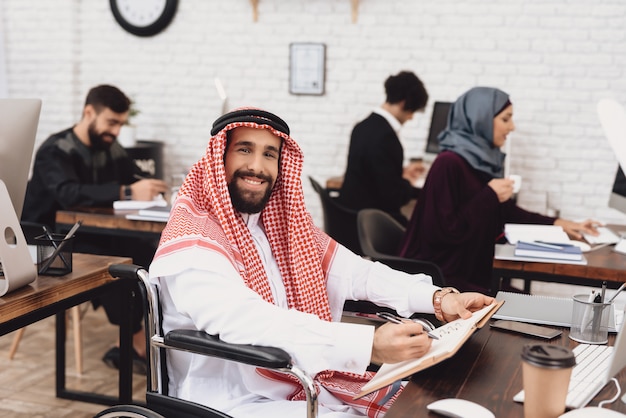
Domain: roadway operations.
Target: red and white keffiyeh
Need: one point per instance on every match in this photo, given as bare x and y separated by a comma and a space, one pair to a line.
303, 252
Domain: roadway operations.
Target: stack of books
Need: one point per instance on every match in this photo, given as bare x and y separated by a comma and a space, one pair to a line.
545, 250
156, 213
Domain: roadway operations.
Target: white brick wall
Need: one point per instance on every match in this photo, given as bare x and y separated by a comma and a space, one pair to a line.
556, 58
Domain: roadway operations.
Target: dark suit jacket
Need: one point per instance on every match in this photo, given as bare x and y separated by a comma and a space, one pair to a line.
373, 176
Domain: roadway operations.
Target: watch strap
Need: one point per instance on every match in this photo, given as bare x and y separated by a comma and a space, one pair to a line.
128, 193
438, 297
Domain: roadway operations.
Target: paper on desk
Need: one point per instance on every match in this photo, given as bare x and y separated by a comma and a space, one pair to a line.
121, 205
532, 232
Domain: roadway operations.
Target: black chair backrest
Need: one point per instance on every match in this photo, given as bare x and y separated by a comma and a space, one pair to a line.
379, 233
339, 221
380, 236
32, 230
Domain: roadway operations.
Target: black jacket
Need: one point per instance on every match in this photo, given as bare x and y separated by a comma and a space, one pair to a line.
66, 173
373, 176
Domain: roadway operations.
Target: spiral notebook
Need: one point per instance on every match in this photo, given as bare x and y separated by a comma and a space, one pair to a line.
543, 310
450, 338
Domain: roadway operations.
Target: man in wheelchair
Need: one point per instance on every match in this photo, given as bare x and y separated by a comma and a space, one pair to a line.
241, 258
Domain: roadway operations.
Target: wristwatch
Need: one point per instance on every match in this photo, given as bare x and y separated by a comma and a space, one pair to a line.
437, 297
128, 193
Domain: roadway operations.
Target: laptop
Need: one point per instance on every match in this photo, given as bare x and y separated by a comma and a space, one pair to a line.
544, 310
591, 374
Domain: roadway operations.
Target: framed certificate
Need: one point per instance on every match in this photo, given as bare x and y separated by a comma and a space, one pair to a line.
307, 68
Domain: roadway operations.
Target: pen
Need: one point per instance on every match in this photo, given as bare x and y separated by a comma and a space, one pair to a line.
58, 249
397, 320
603, 291
586, 321
542, 244
54, 244
561, 245
617, 292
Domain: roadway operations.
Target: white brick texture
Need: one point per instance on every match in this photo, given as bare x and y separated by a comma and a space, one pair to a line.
556, 59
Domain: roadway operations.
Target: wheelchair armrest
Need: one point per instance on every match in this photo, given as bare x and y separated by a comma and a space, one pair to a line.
124, 271
202, 343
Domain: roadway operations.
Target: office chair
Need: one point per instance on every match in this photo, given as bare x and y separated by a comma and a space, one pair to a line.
380, 236
158, 403
339, 221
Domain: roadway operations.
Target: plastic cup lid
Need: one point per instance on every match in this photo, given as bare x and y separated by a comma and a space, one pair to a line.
548, 355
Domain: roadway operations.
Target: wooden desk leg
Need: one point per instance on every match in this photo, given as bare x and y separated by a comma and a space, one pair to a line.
78, 340
16, 342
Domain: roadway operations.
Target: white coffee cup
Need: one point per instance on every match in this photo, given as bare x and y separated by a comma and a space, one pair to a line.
517, 182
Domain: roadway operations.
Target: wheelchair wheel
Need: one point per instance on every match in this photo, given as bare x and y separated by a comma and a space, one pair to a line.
128, 411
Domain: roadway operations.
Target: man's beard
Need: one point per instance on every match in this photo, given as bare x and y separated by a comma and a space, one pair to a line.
241, 199
97, 139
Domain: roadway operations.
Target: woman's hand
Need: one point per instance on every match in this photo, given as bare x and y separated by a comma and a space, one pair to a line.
575, 229
503, 188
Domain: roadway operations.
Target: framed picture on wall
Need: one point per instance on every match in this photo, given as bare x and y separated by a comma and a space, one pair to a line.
307, 68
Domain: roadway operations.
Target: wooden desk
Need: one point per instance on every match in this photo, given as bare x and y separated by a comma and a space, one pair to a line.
50, 295
106, 221
487, 370
602, 264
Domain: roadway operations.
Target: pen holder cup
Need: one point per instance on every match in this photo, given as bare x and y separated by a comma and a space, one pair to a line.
590, 321
61, 263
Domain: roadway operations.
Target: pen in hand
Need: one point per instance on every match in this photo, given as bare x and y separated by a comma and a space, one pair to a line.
397, 320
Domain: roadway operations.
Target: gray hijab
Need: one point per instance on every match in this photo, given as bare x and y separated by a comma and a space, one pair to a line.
470, 129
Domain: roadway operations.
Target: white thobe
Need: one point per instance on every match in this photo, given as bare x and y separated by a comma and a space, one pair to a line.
210, 295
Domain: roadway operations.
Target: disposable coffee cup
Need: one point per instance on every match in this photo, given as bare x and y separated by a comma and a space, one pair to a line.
546, 371
590, 320
517, 182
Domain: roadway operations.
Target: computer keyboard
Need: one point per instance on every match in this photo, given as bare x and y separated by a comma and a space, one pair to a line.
606, 236
588, 376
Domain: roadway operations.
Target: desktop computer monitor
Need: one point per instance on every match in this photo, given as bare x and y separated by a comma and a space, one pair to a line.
18, 126
617, 199
438, 123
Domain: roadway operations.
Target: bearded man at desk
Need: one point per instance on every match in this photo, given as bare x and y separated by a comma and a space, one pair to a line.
85, 166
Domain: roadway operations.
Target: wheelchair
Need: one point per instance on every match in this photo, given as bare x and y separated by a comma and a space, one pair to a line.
158, 403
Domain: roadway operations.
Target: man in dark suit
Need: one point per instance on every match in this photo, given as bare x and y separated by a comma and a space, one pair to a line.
375, 176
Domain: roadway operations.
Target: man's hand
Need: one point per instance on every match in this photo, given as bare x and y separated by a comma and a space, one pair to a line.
148, 189
413, 171
398, 342
574, 229
503, 188
461, 305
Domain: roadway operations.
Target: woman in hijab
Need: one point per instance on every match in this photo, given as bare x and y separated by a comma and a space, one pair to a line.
466, 201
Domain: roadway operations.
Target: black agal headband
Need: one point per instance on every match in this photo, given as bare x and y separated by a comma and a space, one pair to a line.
250, 115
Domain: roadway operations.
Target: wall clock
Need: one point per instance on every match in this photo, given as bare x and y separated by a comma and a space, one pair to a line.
143, 17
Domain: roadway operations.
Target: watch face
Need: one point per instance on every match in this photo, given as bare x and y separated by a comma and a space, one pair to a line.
143, 17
